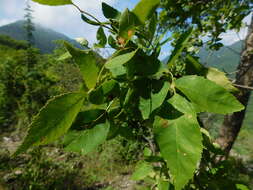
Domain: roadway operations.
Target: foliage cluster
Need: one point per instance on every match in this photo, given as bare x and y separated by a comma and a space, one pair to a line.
137, 97
25, 89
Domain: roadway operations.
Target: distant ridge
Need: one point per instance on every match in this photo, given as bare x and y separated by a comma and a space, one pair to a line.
44, 37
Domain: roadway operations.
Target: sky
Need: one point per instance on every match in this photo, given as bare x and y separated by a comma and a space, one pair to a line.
66, 19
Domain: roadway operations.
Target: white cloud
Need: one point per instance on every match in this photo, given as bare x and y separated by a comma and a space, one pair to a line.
6, 21
232, 36
66, 19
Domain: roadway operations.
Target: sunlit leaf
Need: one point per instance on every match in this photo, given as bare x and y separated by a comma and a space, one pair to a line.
89, 140
127, 25
54, 2
53, 121
116, 64
87, 64
207, 96
145, 9
180, 143
220, 78
182, 104
142, 170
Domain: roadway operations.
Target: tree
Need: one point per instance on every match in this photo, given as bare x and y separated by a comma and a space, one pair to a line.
29, 26
135, 96
244, 79
213, 18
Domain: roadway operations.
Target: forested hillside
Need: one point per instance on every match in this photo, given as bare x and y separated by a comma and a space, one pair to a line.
44, 37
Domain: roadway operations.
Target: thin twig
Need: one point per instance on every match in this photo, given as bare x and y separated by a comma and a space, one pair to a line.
243, 86
84, 12
88, 14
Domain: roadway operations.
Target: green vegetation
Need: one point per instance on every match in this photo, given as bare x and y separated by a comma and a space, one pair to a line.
44, 37
128, 122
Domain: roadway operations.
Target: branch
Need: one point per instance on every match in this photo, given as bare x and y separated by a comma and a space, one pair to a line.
242, 86
88, 14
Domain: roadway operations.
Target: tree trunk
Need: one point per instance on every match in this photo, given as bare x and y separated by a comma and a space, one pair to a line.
244, 77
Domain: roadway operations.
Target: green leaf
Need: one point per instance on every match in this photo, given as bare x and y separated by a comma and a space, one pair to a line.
87, 64
64, 56
147, 106
101, 37
180, 143
87, 116
152, 25
142, 170
109, 12
143, 65
116, 64
163, 185
180, 45
112, 42
241, 187
54, 2
181, 104
145, 9
107, 91
193, 66
127, 25
207, 96
69, 137
220, 78
89, 140
89, 21
53, 121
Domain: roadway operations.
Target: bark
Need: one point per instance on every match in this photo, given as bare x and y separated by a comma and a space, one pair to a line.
233, 123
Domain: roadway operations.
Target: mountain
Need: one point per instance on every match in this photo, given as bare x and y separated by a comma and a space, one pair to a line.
44, 37
226, 58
